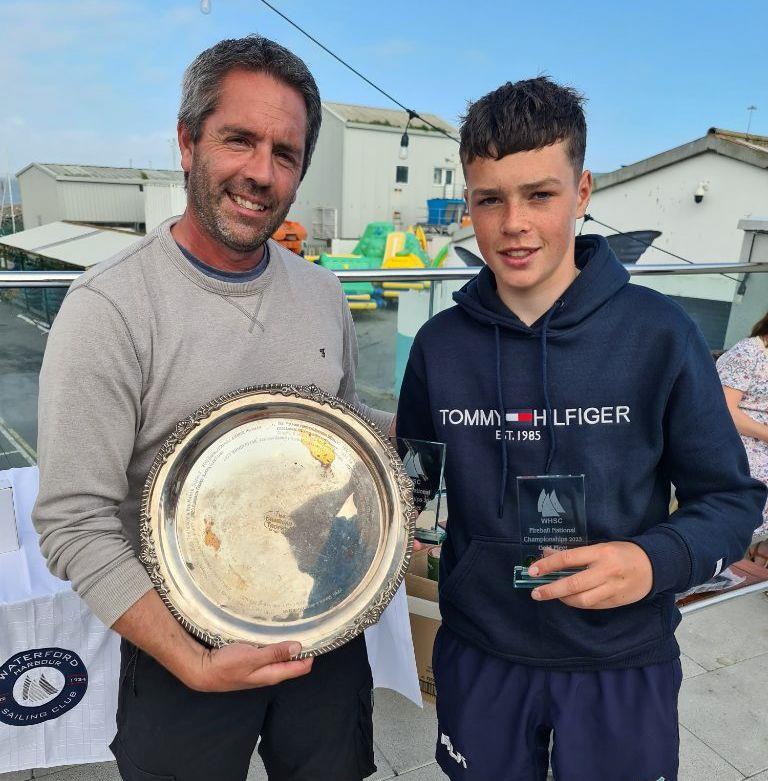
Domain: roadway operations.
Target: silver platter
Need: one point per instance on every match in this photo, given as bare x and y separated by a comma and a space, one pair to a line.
277, 513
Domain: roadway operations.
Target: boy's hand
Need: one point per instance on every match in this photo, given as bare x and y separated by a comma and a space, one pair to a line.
617, 573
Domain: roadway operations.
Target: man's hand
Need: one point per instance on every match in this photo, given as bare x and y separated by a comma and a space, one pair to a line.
150, 625
241, 666
617, 573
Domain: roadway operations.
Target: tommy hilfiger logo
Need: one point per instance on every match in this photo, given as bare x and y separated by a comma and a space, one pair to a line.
570, 416
446, 741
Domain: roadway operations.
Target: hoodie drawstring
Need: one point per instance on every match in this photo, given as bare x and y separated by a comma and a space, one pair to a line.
502, 413
503, 417
545, 387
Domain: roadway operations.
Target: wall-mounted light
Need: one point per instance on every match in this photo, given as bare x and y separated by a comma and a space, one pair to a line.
701, 190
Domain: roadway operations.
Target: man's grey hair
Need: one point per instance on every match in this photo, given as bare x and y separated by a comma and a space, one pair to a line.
202, 82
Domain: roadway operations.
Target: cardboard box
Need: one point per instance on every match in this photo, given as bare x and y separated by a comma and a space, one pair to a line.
425, 619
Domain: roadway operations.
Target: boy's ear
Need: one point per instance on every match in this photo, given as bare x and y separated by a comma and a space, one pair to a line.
584, 193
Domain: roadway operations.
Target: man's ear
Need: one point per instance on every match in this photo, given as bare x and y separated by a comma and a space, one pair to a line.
186, 145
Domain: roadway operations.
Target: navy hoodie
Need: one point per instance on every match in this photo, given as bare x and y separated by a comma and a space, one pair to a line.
622, 389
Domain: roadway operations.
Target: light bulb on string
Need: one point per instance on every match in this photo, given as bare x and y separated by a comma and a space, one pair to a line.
404, 146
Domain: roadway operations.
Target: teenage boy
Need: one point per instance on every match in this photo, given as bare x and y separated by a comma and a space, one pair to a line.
551, 363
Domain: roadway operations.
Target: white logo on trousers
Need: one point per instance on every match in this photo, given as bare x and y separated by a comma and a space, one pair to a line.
446, 741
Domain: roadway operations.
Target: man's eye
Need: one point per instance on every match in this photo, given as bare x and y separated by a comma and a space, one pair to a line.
237, 140
488, 201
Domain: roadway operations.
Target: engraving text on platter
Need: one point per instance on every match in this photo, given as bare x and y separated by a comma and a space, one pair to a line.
279, 520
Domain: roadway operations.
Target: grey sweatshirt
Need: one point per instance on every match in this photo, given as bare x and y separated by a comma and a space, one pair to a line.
141, 341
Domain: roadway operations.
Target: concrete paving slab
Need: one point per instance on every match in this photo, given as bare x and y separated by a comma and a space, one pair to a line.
690, 668
729, 633
405, 733
384, 769
431, 772
698, 762
97, 771
17, 775
759, 777
726, 710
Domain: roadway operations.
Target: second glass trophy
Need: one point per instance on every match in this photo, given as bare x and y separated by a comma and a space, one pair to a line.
424, 463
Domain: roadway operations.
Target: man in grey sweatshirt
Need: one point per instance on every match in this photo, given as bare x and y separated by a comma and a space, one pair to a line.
203, 305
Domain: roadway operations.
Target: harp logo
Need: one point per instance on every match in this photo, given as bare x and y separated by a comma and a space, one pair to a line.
40, 684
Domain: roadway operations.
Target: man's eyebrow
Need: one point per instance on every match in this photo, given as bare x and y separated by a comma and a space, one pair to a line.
280, 146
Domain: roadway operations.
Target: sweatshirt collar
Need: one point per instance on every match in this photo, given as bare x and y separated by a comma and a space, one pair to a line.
220, 287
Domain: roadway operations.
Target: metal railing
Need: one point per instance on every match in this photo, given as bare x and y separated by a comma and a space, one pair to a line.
62, 279
65, 278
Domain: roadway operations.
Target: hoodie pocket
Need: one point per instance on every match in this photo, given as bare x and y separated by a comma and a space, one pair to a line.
481, 603
485, 605
601, 634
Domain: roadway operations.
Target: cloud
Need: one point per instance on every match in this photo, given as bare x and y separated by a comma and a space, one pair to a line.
392, 47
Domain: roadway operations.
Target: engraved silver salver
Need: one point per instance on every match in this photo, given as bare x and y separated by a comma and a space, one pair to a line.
277, 513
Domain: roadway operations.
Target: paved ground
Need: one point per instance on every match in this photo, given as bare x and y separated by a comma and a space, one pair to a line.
723, 713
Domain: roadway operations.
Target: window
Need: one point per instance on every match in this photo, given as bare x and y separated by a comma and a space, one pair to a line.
401, 174
441, 176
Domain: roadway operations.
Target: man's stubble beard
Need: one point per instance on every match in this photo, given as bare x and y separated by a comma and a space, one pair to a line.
205, 200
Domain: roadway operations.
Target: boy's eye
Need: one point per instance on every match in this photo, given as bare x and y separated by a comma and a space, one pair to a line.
542, 196
488, 201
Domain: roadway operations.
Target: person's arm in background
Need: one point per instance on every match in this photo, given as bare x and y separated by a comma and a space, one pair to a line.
745, 425
89, 413
720, 505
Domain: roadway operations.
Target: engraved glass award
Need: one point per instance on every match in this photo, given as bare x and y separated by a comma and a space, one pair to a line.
424, 462
553, 517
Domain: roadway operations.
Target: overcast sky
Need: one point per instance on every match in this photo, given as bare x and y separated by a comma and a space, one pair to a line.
97, 81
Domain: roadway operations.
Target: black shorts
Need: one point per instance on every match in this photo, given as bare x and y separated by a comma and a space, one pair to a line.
315, 728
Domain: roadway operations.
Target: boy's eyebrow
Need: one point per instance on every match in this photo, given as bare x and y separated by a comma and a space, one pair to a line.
549, 181
486, 192
495, 192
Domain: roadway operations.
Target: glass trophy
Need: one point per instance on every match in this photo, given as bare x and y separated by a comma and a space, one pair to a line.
424, 463
553, 517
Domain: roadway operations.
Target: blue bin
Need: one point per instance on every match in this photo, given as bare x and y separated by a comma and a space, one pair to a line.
444, 211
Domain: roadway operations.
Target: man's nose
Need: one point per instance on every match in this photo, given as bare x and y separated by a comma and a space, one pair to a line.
259, 167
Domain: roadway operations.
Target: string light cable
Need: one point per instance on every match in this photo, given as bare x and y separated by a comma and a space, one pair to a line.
588, 217
411, 113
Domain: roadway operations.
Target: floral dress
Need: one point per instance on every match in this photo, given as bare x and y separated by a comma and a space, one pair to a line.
745, 367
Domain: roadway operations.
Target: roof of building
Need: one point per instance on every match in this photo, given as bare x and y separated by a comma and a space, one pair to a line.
751, 149
105, 173
81, 246
386, 117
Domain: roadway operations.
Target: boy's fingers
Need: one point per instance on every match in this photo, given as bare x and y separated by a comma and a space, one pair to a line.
578, 583
564, 559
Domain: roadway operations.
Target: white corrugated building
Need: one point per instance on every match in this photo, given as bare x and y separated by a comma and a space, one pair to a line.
98, 195
357, 176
